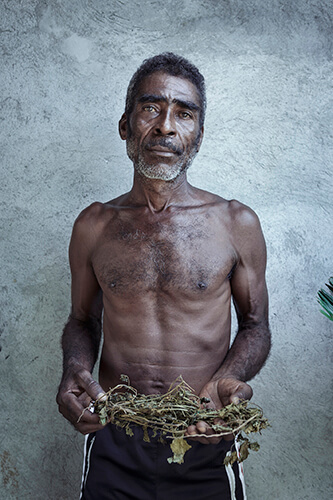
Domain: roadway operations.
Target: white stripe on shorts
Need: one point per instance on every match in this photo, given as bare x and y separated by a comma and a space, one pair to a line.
240, 470
86, 461
231, 475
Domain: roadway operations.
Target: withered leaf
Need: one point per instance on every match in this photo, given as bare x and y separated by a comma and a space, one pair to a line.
231, 458
179, 447
169, 415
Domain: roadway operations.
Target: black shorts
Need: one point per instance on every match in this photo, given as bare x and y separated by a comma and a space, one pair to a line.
120, 467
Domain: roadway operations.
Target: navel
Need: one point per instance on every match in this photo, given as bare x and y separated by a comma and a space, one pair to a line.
201, 285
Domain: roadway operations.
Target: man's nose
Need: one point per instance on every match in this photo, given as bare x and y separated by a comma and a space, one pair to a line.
165, 124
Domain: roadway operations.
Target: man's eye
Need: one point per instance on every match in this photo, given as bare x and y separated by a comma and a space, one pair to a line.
149, 108
185, 114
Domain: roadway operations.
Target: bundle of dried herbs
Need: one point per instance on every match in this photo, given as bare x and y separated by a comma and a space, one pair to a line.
170, 414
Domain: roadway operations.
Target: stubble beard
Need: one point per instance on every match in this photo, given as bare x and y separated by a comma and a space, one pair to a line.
162, 171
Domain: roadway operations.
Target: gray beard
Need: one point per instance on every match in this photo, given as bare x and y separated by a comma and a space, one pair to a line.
163, 172
160, 172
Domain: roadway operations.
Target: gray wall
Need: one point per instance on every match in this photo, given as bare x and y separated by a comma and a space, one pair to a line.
268, 142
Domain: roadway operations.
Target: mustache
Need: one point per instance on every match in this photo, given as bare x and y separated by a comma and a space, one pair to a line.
164, 143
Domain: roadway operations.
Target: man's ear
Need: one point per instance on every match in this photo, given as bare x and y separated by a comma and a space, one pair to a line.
122, 127
200, 138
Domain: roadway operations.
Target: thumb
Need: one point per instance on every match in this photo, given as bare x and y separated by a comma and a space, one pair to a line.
243, 391
92, 388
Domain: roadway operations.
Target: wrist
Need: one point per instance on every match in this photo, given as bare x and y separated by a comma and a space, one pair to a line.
74, 365
227, 375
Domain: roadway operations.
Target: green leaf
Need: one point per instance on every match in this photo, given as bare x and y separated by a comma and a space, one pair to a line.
325, 299
329, 315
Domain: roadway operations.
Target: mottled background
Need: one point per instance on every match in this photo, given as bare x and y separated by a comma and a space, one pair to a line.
268, 142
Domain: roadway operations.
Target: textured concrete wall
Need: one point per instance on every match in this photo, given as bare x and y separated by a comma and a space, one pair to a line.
268, 143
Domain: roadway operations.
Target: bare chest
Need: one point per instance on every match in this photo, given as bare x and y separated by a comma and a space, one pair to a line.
191, 257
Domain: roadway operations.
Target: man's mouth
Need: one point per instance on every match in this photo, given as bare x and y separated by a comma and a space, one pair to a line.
161, 151
163, 148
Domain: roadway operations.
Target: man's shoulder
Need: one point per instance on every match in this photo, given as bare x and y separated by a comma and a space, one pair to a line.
98, 211
245, 227
242, 214
94, 210
91, 222
207, 198
237, 211
240, 220
90, 216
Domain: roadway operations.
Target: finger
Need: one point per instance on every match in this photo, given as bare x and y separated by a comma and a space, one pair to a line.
232, 391
194, 430
92, 388
88, 416
81, 418
226, 437
244, 391
205, 440
193, 433
75, 410
195, 437
202, 427
84, 399
191, 430
88, 423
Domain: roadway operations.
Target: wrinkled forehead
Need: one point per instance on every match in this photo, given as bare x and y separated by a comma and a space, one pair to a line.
169, 87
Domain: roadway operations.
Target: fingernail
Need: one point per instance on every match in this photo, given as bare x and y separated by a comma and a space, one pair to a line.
102, 396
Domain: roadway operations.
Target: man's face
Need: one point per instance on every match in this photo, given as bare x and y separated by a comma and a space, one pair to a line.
163, 133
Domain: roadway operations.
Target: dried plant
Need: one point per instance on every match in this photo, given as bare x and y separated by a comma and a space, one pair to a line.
169, 415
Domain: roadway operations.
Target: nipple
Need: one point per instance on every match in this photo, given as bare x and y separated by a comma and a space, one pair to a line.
201, 285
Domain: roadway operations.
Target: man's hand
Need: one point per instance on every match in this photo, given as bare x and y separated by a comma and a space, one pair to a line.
76, 390
221, 393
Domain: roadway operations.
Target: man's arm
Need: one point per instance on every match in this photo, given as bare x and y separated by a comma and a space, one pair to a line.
251, 346
82, 333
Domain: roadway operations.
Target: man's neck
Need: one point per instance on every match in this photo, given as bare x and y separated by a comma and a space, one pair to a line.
158, 195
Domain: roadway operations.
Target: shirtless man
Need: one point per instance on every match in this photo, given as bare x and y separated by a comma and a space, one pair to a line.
162, 262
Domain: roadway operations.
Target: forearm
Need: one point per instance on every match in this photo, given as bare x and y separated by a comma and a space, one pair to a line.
247, 354
80, 342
